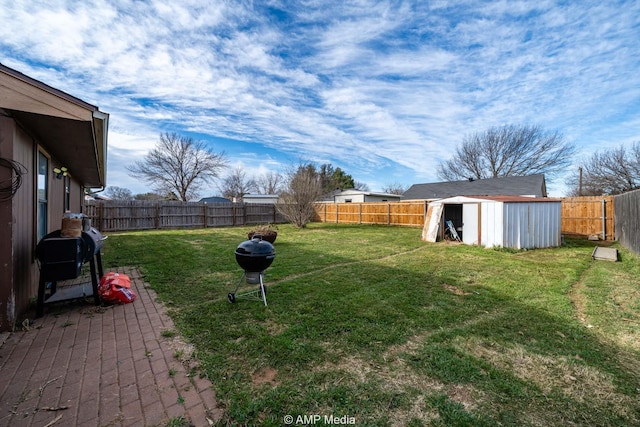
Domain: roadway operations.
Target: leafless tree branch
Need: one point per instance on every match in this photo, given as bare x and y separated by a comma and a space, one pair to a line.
179, 164
512, 150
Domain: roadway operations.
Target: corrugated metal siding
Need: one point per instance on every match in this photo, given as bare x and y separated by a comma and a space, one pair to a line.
491, 228
531, 225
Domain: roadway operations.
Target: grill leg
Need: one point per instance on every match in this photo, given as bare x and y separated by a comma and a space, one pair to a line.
263, 290
244, 274
40, 304
94, 281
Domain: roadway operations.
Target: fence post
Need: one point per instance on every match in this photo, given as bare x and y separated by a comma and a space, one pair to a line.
204, 211
101, 216
604, 220
388, 213
360, 213
337, 213
233, 214
157, 216
244, 214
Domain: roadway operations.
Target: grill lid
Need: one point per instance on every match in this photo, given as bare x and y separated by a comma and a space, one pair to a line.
256, 247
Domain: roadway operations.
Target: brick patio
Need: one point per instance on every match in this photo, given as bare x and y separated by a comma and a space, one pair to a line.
83, 365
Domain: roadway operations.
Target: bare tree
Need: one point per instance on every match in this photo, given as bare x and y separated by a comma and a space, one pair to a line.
512, 150
269, 183
362, 186
149, 196
609, 172
236, 185
303, 189
118, 193
180, 165
394, 188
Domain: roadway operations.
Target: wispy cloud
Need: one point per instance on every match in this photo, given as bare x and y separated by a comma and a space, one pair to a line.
382, 86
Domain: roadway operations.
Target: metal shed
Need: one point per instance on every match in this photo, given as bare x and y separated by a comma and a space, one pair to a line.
508, 221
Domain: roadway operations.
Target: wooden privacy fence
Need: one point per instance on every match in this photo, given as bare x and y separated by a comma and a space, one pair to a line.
628, 220
581, 216
397, 213
588, 215
117, 215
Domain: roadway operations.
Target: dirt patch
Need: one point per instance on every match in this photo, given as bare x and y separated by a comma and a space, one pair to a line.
275, 328
580, 382
266, 375
183, 352
455, 290
578, 299
463, 395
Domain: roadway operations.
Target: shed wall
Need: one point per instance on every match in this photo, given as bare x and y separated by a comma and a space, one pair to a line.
491, 220
531, 225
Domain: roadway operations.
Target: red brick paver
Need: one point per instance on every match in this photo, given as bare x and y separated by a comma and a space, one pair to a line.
82, 365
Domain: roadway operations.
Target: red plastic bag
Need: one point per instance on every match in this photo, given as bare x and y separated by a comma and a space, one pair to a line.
115, 288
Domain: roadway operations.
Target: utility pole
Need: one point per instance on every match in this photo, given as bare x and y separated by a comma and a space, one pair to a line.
580, 182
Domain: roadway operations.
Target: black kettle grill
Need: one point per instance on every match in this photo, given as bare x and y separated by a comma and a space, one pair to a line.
254, 257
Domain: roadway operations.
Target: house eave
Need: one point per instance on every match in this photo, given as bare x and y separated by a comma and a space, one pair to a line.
71, 130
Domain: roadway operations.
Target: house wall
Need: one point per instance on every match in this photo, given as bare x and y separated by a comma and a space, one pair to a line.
352, 198
19, 272
7, 295
260, 200
373, 198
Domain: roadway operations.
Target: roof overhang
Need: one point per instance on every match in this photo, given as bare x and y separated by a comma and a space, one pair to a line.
71, 130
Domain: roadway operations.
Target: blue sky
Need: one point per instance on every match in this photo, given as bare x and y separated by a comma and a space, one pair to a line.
384, 90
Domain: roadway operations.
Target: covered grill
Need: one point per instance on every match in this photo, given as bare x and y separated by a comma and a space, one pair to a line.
61, 258
253, 256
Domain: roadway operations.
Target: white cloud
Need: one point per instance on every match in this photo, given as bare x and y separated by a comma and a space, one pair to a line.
362, 84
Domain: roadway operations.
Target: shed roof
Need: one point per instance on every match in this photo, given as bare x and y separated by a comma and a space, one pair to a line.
353, 192
502, 198
529, 185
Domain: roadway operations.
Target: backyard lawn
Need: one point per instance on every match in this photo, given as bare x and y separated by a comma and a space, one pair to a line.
372, 326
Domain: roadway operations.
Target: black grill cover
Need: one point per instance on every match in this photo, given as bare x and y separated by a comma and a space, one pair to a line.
61, 258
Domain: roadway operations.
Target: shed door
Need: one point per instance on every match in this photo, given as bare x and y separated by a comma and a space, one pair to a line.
471, 223
431, 222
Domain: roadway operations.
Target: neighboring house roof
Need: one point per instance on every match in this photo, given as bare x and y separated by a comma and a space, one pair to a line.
500, 199
71, 130
215, 200
352, 192
261, 196
530, 185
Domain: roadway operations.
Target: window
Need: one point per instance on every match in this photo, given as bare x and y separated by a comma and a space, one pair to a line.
42, 194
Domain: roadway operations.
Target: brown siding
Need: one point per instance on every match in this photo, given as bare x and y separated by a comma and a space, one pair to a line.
25, 270
6, 236
18, 268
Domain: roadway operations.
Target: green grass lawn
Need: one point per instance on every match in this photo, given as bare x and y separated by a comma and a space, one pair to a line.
370, 322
